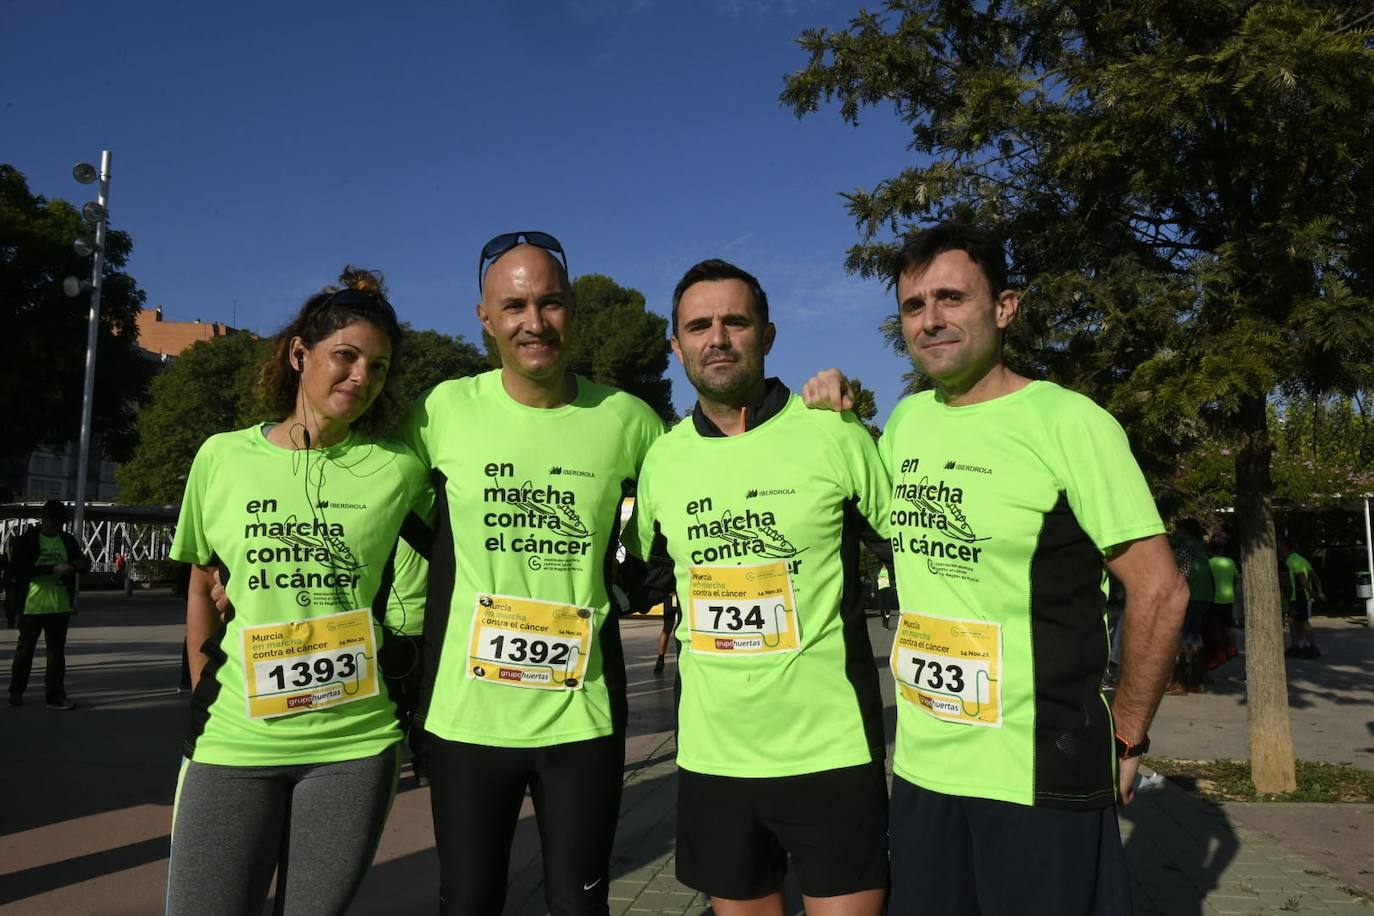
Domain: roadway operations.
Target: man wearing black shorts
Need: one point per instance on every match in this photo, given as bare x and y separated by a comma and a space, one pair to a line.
762, 503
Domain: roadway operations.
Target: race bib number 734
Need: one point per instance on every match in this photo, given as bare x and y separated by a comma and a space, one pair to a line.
311, 664
949, 668
742, 610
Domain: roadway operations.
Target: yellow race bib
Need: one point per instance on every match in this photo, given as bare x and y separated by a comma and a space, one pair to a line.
950, 668
311, 664
524, 642
742, 610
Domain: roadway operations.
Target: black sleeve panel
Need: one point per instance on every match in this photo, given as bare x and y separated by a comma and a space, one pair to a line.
877, 545
649, 583
418, 535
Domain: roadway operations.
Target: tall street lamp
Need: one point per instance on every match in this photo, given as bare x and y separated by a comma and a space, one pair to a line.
97, 214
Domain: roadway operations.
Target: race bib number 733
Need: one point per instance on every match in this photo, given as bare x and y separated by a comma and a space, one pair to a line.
311, 664
949, 668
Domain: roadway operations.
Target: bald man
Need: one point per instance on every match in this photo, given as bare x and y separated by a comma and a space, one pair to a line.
525, 676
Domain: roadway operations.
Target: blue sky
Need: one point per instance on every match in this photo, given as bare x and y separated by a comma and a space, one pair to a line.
258, 147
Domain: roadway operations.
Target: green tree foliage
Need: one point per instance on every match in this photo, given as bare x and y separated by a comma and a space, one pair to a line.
1185, 191
1323, 459
865, 406
212, 387
617, 341
43, 357
429, 357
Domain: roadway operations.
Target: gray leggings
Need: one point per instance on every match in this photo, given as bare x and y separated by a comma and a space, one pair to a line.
316, 825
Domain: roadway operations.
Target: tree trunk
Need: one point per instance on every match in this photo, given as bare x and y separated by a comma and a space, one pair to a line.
1271, 738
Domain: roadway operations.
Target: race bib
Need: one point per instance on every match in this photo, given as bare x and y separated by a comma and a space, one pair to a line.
311, 664
742, 610
524, 642
950, 668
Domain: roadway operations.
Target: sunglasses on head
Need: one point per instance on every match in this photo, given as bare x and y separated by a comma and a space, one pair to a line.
508, 240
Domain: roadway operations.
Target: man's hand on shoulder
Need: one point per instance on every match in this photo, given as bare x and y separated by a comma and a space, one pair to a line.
219, 596
828, 390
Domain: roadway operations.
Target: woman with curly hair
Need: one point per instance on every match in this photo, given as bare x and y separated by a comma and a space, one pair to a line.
292, 751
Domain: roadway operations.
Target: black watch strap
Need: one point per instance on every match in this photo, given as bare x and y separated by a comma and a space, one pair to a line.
1125, 749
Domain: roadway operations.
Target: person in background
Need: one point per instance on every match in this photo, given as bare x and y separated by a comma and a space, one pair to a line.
46, 561
1304, 589
1190, 555
1218, 636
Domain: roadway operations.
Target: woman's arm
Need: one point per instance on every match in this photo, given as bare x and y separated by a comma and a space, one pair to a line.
202, 618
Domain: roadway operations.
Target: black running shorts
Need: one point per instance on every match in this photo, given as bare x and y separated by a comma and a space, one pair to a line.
734, 834
961, 856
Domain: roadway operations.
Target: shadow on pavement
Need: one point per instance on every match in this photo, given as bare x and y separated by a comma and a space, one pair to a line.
1177, 848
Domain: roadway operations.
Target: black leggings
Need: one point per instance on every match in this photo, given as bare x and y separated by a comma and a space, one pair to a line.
476, 793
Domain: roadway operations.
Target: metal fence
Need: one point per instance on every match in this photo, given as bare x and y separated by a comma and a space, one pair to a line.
134, 532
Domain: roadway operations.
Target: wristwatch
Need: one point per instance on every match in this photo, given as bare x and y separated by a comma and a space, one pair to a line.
1125, 749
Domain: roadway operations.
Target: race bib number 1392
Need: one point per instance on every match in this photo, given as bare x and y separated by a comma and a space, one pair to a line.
525, 642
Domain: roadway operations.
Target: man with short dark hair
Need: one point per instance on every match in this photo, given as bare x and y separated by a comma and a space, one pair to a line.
1008, 496
761, 503
46, 561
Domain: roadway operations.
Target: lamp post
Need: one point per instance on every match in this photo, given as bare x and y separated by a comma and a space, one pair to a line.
96, 213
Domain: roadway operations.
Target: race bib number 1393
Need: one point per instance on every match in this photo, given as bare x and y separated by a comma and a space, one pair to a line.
951, 669
311, 664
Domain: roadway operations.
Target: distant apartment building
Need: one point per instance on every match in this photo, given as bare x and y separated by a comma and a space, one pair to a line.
51, 473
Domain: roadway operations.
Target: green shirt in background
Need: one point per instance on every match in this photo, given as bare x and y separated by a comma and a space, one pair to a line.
47, 593
1298, 566
791, 493
305, 535
528, 507
1001, 514
1224, 574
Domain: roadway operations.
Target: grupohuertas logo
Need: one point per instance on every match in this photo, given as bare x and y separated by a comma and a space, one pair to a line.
558, 469
333, 504
777, 491
954, 465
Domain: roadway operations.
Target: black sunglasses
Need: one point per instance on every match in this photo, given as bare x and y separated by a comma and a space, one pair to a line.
508, 240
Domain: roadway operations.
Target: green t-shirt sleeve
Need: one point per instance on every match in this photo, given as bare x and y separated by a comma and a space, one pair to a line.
191, 545
1106, 490
860, 467
867, 475
648, 426
639, 530
419, 426
405, 606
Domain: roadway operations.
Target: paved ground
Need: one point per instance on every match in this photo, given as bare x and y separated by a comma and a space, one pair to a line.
86, 803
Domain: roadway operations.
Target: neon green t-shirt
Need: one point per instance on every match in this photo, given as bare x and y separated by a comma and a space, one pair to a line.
1001, 514
1224, 575
47, 594
405, 607
528, 507
305, 536
1298, 566
777, 671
